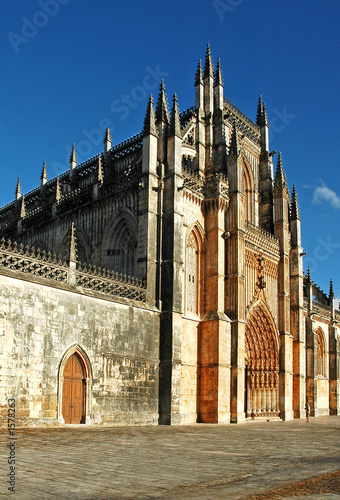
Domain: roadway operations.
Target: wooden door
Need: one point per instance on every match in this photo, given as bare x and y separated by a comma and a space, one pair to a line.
74, 391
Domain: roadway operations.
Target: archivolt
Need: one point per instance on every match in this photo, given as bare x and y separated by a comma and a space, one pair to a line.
262, 343
262, 361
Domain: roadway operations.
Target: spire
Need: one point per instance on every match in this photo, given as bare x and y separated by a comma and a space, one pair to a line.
73, 158
331, 289
208, 66
162, 111
280, 182
234, 148
150, 120
261, 117
18, 189
107, 140
43, 177
23, 207
295, 210
259, 111
175, 127
264, 115
108, 135
199, 76
309, 277
57, 189
218, 74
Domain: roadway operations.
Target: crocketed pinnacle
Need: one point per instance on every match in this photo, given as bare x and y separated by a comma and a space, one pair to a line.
309, 277
23, 207
162, 109
208, 66
73, 157
331, 289
259, 111
218, 74
261, 117
234, 148
100, 173
295, 210
44, 174
264, 115
175, 126
18, 189
280, 182
150, 120
57, 189
73, 247
199, 75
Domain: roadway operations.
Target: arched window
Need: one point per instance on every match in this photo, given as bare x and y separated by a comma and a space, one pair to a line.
192, 277
124, 253
120, 244
320, 353
247, 195
193, 270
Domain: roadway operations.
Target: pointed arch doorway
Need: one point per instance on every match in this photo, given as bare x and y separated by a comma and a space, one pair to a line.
74, 391
74, 387
262, 363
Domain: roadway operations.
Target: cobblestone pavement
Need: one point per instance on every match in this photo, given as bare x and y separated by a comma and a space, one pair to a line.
188, 462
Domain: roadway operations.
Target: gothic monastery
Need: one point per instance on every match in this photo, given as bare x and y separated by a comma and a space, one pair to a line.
162, 281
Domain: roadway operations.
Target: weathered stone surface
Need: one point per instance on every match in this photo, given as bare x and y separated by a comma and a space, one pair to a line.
41, 324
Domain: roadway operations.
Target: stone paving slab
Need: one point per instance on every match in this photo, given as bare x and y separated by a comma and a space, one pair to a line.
188, 462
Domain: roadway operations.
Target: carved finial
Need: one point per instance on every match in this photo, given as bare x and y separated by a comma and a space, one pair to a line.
208, 66
175, 127
234, 148
73, 158
22, 207
331, 289
18, 189
150, 120
73, 246
218, 74
57, 189
295, 210
199, 75
43, 177
261, 284
107, 140
162, 111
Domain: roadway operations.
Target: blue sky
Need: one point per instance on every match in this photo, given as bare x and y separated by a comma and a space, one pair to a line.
70, 68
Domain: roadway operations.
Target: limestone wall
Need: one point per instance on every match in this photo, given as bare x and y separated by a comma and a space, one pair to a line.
40, 324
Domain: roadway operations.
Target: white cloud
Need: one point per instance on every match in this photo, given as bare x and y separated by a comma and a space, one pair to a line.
324, 194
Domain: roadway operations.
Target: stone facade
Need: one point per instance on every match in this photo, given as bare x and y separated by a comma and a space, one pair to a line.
168, 272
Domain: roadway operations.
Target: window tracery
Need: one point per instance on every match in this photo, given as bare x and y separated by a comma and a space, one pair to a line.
320, 353
193, 271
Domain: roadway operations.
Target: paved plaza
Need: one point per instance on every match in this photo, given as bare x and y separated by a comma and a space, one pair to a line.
189, 462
